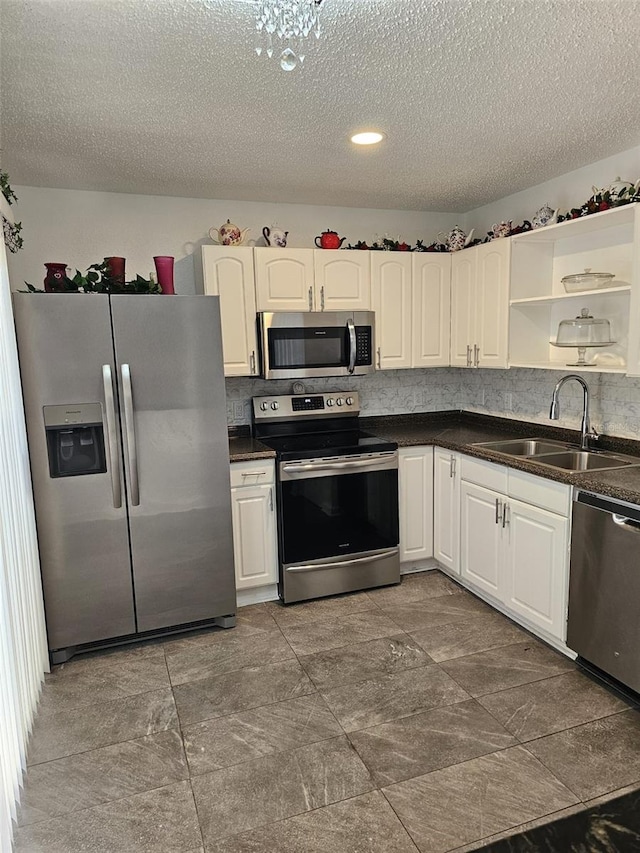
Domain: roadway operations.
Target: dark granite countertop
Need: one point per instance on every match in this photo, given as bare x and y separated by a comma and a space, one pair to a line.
611, 827
242, 448
460, 431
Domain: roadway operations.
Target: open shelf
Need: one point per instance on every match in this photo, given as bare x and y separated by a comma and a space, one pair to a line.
555, 365
581, 294
580, 227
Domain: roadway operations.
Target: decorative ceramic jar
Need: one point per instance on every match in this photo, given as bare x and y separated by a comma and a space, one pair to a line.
456, 239
54, 279
115, 269
164, 268
329, 240
545, 216
274, 236
228, 234
501, 229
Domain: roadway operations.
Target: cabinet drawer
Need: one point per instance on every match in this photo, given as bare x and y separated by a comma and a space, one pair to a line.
547, 494
482, 473
260, 472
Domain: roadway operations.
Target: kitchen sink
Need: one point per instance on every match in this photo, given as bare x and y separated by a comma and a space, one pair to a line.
558, 454
585, 460
525, 446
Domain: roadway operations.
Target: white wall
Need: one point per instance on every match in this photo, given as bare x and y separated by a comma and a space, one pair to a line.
80, 228
565, 191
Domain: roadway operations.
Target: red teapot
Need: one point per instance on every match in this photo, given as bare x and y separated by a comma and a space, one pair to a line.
329, 240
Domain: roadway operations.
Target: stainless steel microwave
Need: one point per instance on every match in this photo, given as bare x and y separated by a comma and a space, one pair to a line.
316, 343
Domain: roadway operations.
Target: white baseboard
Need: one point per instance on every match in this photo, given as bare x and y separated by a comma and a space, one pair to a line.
418, 566
245, 597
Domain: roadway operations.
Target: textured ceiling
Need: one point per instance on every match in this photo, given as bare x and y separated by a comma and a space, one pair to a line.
478, 98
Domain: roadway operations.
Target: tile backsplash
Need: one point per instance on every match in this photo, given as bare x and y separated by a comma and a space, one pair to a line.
524, 394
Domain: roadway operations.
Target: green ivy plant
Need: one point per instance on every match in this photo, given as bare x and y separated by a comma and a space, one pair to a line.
97, 279
12, 236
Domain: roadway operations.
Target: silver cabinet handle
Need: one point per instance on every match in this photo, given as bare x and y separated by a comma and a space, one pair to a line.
310, 298
352, 342
379, 358
505, 511
130, 432
110, 417
271, 499
253, 473
453, 466
468, 355
375, 461
476, 355
322, 298
499, 511
252, 362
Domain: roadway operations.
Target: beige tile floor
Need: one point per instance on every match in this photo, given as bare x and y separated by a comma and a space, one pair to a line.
411, 718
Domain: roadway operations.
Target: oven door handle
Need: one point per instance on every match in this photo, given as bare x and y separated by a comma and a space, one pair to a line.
352, 345
313, 567
338, 466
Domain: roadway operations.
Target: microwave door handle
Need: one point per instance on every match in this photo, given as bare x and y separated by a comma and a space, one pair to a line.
352, 345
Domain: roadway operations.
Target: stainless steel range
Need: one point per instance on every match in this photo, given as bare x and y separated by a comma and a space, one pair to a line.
337, 490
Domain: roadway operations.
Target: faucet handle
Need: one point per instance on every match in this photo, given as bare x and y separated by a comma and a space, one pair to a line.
593, 435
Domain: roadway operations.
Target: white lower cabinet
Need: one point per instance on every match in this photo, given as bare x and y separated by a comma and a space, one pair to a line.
255, 546
514, 543
415, 483
446, 509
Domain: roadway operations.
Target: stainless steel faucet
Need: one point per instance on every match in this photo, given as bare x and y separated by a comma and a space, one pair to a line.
554, 412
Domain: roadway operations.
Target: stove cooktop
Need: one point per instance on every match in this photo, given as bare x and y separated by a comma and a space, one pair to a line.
325, 444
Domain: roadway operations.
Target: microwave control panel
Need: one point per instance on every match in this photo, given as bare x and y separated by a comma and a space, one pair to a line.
363, 345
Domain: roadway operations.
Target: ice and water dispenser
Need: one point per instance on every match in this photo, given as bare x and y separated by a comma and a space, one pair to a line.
75, 439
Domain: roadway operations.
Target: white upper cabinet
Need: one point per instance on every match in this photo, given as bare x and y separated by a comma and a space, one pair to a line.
228, 273
342, 280
411, 298
603, 242
431, 309
480, 305
391, 296
312, 280
284, 279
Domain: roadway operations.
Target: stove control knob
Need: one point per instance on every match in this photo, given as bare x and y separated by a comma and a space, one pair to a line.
264, 406
349, 401
339, 401
275, 405
330, 402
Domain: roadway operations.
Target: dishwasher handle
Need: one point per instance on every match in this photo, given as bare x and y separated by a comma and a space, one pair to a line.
618, 509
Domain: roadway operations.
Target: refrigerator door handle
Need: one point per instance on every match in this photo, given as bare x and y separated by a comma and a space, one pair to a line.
110, 417
130, 433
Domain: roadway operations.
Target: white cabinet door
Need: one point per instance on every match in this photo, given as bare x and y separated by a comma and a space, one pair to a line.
536, 570
481, 539
431, 275
228, 273
415, 483
254, 536
342, 280
284, 279
463, 275
492, 303
446, 509
391, 298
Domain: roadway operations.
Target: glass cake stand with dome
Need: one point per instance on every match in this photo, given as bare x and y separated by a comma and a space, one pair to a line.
581, 333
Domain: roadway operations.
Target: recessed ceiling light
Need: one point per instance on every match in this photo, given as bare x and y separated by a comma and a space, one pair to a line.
368, 138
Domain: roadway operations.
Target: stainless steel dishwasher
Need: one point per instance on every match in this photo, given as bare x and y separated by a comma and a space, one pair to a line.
604, 586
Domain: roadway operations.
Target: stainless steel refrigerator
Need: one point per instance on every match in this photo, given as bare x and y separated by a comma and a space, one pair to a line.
126, 419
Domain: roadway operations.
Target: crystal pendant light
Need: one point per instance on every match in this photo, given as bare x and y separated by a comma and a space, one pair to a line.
290, 21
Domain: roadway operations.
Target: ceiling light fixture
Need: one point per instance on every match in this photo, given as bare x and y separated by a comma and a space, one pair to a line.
370, 137
291, 21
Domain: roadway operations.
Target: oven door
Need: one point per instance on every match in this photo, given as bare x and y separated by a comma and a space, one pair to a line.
326, 343
338, 524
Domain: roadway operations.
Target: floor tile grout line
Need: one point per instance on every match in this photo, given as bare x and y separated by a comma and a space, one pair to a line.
406, 829
232, 671
175, 728
64, 815
46, 711
197, 810
566, 728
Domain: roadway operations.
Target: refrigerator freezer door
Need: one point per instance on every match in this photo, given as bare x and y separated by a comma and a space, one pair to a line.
66, 357
173, 415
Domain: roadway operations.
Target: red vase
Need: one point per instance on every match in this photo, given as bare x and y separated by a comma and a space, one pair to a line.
164, 268
54, 279
115, 270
